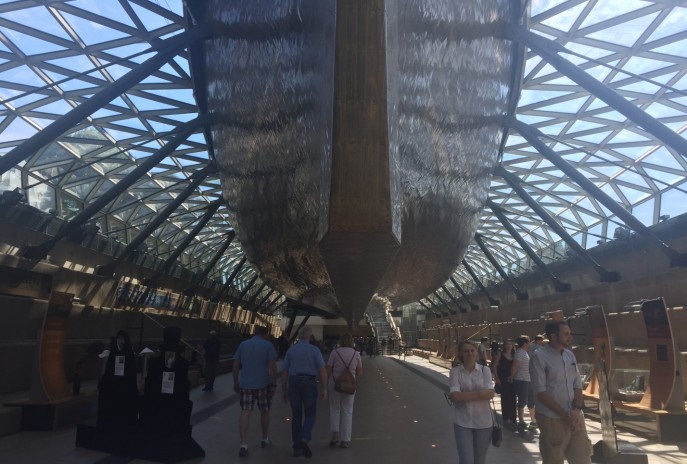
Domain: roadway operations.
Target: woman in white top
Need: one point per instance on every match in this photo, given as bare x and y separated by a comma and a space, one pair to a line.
341, 404
471, 389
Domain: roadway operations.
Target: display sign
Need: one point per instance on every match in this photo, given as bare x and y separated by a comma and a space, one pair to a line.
603, 344
656, 319
168, 382
50, 381
119, 366
663, 391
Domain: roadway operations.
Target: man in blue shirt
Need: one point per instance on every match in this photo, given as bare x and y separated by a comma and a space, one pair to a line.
302, 364
255, 360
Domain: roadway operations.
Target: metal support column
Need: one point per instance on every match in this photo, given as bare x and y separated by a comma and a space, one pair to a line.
465, 296
492, 302
549, 50
184, 131
218, 254
519, 294
514, 182
498, 212
534, 136
169, 48
141, 237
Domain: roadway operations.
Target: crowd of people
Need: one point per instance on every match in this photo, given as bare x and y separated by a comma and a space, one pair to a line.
536, 378
541, 376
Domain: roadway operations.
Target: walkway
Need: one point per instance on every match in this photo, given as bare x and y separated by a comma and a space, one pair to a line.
401, 416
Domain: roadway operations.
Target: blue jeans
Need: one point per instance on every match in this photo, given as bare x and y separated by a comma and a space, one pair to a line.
303, 399
472, 444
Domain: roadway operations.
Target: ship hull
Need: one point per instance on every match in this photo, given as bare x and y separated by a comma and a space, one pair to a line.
355, 139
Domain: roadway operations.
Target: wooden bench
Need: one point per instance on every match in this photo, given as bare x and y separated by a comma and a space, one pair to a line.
671, 426
49, 416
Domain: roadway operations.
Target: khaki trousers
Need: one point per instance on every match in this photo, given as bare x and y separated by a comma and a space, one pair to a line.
557, 441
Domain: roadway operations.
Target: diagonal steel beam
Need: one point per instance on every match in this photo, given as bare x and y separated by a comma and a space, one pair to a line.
254, 296
430, 309
184, 131
447, 313
179, 249
196, 179
455, 301
498, 212
519, 294
272, 302
534, 137
245, 290
300, 326
211, 264
514, 182
465, 296
262, 301
549, 50
492, 301
292, 320
170, 48
230, 280
446, 305
278, 307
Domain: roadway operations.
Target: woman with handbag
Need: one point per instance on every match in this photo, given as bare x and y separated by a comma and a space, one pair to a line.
502, 369
471, 389
341, 398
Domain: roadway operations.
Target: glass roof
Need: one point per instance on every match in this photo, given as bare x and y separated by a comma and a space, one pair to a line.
54, 55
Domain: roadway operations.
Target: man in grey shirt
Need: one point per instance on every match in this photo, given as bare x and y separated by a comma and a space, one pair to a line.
558, 388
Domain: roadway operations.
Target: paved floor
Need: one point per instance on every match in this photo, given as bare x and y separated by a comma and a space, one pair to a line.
400, 416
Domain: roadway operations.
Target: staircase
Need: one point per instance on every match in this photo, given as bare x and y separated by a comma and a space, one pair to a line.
382, 325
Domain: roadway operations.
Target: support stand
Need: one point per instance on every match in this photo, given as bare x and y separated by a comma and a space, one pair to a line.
609, 450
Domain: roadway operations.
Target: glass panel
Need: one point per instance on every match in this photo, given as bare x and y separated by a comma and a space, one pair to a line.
42, 196
69, 207
10, 180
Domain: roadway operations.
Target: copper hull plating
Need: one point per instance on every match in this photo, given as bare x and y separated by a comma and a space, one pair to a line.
356, 139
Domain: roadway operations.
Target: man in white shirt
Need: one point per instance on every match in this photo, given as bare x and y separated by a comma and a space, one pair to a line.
557, 385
